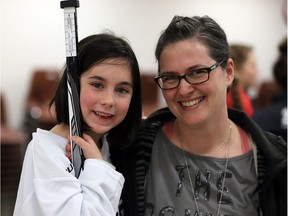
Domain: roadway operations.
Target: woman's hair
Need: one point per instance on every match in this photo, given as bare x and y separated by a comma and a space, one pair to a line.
95, 49
204, 29
239, 54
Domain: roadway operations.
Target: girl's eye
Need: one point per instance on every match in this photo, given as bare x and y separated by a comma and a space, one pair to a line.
123, 90
97, 85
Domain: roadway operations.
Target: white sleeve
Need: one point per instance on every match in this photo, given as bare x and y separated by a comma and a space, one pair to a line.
96, 192
107, 186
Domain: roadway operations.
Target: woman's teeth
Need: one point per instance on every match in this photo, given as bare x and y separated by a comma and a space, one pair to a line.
192, 103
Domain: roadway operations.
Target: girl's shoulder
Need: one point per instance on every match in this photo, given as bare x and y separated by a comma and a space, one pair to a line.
45, 141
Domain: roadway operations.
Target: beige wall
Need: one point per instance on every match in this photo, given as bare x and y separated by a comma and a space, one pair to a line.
32, 33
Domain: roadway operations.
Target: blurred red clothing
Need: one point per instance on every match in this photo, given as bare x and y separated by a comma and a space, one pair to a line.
247, 106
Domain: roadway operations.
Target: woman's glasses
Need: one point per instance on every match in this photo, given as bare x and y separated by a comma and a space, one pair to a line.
198, 76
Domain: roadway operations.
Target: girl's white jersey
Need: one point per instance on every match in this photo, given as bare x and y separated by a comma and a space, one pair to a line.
48, 185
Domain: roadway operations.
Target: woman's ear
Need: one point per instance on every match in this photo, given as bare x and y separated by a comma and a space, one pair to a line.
229, 72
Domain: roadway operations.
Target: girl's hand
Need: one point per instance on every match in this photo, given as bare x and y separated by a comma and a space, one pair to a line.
87, 144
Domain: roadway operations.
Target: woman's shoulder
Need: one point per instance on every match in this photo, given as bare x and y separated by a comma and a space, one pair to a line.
162, 116
152, 124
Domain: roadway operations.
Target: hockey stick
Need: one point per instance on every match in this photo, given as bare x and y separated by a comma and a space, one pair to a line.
73, 86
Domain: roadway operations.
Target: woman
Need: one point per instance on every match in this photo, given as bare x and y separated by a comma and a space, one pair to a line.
110, 94
197, 157
245, 76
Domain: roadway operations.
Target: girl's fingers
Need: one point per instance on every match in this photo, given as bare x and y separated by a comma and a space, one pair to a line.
68, 147
68, 151
78, 140
88, 139
68, 155
88, 146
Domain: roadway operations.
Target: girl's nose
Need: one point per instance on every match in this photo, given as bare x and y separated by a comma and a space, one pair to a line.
108, 99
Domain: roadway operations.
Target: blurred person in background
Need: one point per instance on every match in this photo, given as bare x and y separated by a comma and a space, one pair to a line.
274, 117
245, 78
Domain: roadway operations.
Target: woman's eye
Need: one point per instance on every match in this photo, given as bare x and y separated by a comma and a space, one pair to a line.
196, 73
169, 78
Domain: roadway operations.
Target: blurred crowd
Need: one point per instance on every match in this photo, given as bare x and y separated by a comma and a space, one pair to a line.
269, 108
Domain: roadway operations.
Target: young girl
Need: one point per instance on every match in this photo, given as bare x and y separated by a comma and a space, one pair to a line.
110, 101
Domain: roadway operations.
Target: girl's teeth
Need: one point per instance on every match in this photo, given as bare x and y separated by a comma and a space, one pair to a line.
103, 114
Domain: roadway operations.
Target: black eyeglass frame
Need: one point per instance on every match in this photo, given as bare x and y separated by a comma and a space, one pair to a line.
206, 69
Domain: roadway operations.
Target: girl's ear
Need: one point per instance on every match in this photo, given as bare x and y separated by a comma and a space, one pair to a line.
229, 72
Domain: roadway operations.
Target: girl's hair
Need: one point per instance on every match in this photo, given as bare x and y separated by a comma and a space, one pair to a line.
203, 29
95, 49
239, 54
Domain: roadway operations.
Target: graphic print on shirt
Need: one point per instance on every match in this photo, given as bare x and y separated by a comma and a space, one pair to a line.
70, 168
205, 184
202, 181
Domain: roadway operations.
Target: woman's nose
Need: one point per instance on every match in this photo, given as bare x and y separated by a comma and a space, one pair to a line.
185, 88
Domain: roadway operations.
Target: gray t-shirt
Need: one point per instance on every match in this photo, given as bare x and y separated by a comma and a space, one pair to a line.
168, 190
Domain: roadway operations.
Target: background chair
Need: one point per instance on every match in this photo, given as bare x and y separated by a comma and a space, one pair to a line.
37, 113
150, 94
12, 153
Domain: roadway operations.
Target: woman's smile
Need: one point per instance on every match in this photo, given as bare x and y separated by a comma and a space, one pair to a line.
192, 102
